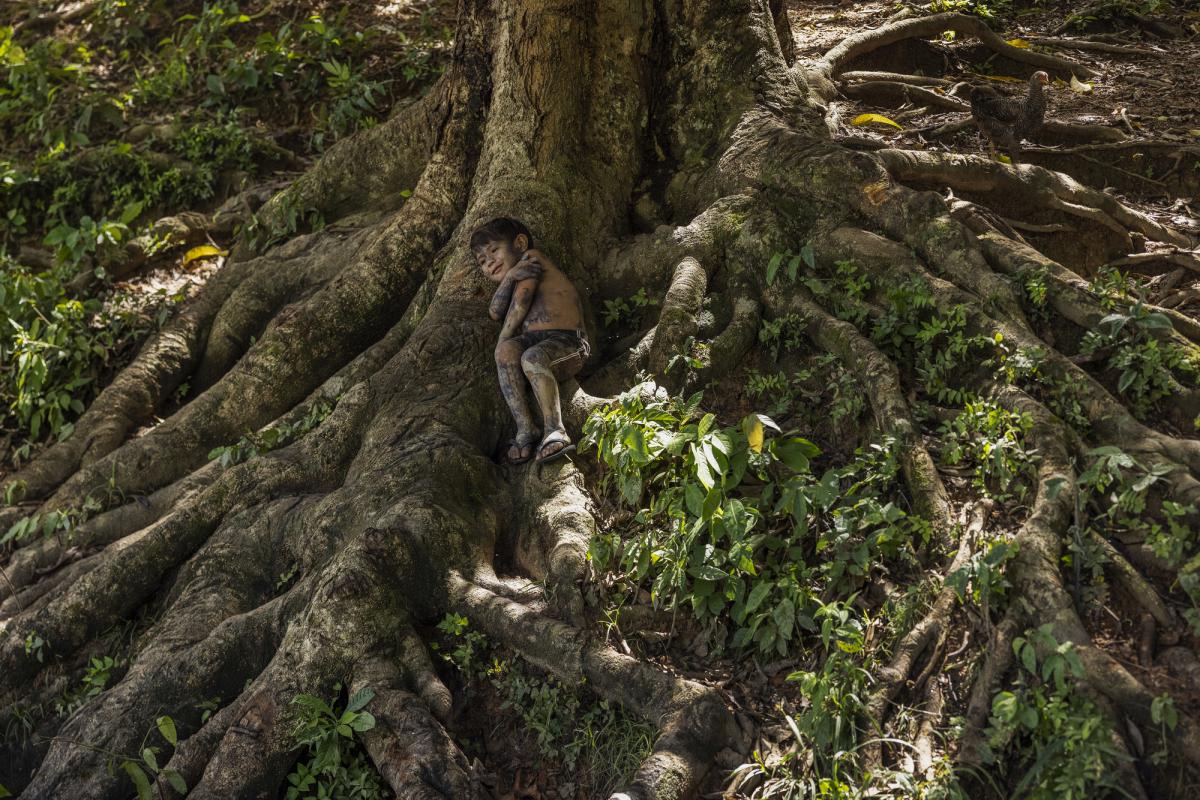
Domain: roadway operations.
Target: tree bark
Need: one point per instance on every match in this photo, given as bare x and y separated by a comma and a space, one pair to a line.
391, 512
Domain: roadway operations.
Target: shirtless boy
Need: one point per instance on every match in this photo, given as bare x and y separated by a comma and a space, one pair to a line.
542, 340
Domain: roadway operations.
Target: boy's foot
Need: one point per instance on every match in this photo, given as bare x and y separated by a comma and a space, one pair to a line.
555, 445
520, 448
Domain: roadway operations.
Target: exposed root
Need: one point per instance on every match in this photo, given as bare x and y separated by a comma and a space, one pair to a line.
922, 221
369, 171
137, 392
198, 659
1071, 295
132, 569
411, 750
895, 77
928, 635
691, 718
50, 554
922, 27
880, 379
1051, 132
1030, 186
1088, 46
295, 271
931, 716
552, 540
1188, 259
1036, 577
731, 344
193, 753
1110, 420
678, 319
998, 658
646, 258
895, 93
420, 676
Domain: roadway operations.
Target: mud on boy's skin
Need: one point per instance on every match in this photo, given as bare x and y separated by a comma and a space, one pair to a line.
542, 339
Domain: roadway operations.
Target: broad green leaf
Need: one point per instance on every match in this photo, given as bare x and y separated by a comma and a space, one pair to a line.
1054, 486
757, 595
359, 699
796, 452
140, 781
363, 721
879, 119
708, 572
772, 267
1156, 321
166, 726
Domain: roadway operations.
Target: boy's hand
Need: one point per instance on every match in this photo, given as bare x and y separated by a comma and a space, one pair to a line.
528, 267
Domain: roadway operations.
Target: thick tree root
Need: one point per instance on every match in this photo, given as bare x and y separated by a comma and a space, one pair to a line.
692, 719
408, 745
132, 569
136, 393
878, 376
370, 171
556, 528
1126, 576
1029, 186
1036, 577
922, 27
678, 319
928, 637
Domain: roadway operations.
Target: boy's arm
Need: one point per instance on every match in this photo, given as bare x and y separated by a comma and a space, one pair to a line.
525, 268
522, 299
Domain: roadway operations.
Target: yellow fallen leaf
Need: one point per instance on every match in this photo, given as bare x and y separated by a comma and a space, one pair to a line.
1195, 131
1021, 43
1004, 78
755, 436
876, 192
203, 251
865, 119
1079, 86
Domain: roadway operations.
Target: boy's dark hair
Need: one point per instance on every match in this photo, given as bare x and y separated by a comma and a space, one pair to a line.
501, 229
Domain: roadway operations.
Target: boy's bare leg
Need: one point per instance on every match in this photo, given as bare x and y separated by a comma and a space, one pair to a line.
512, 386
544, 364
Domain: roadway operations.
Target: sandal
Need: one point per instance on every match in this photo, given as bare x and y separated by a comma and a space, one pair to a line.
521, 443
553, 438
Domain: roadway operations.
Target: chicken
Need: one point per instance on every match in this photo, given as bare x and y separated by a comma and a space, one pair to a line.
1008, 120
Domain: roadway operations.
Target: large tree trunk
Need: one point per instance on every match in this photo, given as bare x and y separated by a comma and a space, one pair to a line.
569, 116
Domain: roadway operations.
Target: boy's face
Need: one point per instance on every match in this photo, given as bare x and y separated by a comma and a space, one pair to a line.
498, 257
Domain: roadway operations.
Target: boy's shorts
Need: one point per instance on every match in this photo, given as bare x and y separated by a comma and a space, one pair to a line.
564, 351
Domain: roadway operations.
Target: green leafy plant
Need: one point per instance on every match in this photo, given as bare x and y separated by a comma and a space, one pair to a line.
806, 256
737, 527
992, 439
1166, 717
144, 769
334, 765
1147, 368
272, 438
589, 737
95, 680
35, 646
1058, 740
628, 308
